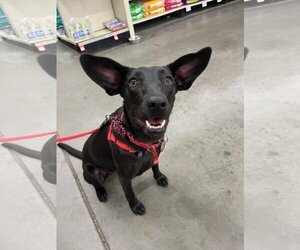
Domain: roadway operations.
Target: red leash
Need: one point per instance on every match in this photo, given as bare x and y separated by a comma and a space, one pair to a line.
116, 124
25, 137
60, 139
71, 137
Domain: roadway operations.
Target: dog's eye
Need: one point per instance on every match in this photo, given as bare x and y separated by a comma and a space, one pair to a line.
133, 82
168, 81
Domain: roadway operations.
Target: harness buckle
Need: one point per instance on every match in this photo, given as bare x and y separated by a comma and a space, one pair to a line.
151, 149
131, 150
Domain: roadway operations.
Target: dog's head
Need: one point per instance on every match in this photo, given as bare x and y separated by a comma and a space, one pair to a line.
148, 92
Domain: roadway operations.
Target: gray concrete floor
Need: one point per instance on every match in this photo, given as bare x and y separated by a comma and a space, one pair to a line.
203, 206
272, 122
27, 106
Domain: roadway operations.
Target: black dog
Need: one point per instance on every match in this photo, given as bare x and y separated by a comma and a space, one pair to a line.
131, 139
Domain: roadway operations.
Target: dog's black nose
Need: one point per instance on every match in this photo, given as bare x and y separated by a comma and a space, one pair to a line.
157, 102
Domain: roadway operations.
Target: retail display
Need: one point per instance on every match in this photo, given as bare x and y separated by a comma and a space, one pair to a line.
173, 6
5, 26
136, 11
191, 1
153, 4
115, 25
21, 21
154, 11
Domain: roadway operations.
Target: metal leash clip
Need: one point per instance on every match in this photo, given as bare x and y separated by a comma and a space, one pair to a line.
107, 119
163, 144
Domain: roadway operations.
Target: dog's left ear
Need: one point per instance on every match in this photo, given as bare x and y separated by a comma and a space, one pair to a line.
105, 72
187, 68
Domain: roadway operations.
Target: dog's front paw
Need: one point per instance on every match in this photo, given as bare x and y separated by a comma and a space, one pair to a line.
162, 180
101, 194
138, 208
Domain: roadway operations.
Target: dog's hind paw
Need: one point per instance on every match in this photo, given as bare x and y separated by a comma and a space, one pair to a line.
138, 208
101, 194
162, 180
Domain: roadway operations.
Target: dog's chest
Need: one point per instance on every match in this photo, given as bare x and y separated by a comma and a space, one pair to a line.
145, 164
132, 164
142, 161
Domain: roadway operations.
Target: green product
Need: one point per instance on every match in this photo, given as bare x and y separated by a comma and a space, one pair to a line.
3, 19
137, 17
136, 8
59, 23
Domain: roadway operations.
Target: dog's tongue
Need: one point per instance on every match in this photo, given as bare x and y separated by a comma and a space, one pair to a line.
156, 121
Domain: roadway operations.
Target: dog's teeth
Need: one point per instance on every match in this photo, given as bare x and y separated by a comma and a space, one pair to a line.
148, 124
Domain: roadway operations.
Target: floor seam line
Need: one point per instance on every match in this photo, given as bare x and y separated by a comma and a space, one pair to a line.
46, 199
87, 203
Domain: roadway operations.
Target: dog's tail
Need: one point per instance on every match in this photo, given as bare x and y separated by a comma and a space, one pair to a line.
72, 151
22, 150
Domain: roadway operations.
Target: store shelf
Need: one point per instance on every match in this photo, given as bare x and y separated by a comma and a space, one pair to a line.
40, 44
14, 38
98, 35
17, 11
98, 12
158, 15
203, 3
186, 7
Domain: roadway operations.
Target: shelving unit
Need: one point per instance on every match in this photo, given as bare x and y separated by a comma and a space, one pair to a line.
16, 11
39, 44
99, 35
100, 11
186, 7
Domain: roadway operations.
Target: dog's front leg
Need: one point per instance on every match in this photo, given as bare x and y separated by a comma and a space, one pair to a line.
136, 206
160, 178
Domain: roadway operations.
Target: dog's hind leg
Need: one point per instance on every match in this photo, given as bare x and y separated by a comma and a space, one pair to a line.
160, 178
96, 176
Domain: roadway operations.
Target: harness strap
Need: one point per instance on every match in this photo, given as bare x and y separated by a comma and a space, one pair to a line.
152, 148
111, 137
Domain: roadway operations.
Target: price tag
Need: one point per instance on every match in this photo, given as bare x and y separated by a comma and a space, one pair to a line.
188, 8
204, 4
41, 48
260, 1
81, 47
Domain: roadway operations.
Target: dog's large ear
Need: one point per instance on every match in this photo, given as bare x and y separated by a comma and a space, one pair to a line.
187, 68
105, 72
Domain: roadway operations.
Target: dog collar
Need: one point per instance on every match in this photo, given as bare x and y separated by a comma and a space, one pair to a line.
116, 125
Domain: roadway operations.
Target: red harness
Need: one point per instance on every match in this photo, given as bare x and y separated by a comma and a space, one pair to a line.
151, 147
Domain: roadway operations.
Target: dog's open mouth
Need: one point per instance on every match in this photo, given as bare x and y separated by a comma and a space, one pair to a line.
155, 124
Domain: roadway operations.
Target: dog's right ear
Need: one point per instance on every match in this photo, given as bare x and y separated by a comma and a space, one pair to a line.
105, 72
